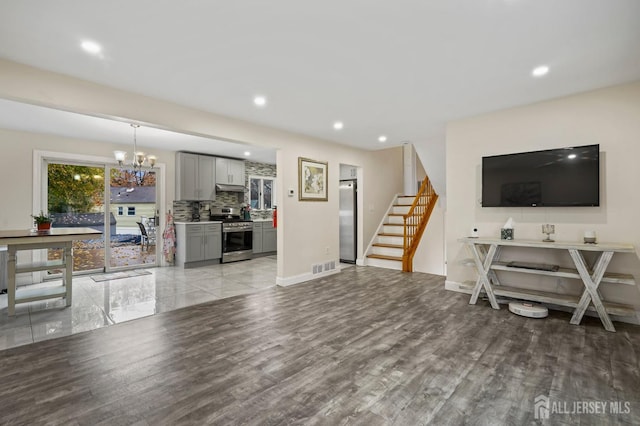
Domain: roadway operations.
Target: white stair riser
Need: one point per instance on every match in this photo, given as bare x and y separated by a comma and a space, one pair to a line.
401, 209
392, 229
390, 240
395, 219
384, 263
405, 201
387, 251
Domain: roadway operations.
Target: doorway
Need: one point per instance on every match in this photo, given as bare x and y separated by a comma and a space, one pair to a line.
350, 212
123, 207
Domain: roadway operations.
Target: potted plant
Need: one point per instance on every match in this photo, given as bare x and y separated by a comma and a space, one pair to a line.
43, 221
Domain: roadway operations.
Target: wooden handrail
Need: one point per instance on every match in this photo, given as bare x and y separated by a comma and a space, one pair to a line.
415, 222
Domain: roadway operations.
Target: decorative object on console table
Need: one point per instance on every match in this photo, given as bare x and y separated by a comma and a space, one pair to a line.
590, 237
506, 233
548, 229
43, 221
312, 180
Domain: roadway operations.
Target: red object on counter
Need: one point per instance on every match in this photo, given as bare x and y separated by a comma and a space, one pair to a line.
275, 217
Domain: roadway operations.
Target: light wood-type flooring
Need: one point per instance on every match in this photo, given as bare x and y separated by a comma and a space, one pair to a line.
367, 346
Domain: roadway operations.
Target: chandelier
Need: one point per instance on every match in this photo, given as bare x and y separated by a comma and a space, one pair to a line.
139, 158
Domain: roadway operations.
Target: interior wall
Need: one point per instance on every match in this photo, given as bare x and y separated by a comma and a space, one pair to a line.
309, 230
17, 169
609, 117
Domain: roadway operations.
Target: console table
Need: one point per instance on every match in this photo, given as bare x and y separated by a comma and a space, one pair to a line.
16, 240
486, 254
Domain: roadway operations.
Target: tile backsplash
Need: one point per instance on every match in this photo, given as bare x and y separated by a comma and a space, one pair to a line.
182, 210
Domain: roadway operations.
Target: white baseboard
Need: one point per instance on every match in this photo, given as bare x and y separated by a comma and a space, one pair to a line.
455, 286
297, 279
360, 262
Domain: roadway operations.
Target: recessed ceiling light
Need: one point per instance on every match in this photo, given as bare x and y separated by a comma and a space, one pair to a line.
247, 153
540, 71
338, 125
571, 156
260, 101
382, 139
91, 47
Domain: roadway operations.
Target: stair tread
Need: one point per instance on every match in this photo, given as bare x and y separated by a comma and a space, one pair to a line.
390, 234
399, 246
393, 224
385, 257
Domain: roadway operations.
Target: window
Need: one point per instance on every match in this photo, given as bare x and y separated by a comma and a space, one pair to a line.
131, 211
262, 192
120, 210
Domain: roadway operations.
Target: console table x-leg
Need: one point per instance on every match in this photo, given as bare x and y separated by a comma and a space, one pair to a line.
591, 283
485, 274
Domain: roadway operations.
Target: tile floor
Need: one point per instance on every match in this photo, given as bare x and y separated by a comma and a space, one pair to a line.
101, 304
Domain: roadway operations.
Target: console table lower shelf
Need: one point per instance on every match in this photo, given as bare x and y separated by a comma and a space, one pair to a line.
557, 299
486, 253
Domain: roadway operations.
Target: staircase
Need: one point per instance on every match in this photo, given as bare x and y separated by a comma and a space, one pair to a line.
399, 234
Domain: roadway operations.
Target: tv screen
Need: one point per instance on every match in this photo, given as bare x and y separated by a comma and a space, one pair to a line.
560, 177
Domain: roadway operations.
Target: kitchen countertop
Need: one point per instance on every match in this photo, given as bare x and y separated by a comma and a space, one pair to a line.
263, 220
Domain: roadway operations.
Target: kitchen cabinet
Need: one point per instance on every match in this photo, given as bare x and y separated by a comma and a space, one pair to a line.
257, 237
269, 238
198, 243
265, 238
230, 172
348, 172
195, 177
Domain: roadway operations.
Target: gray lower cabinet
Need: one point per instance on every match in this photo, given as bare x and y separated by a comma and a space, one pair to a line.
265, 238
257, 237
269, 238
198, 242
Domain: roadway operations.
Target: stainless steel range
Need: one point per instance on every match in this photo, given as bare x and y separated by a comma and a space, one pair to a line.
237, 234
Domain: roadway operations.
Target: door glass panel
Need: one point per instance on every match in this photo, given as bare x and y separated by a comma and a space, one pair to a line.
75, 198
134, 218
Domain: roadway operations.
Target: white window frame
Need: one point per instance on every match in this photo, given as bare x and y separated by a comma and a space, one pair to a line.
131, 210
260, 196
120, 211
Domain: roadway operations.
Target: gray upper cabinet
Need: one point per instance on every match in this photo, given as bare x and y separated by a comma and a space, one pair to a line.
230, 172
195, 177
206, 177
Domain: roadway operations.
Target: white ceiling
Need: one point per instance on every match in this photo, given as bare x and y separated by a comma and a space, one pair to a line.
401, 68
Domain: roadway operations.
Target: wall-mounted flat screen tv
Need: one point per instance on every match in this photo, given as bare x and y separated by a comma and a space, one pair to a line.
562, 177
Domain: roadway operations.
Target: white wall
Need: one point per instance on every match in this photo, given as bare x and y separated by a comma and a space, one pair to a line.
308, 228
429, 256
16, 171
609, 117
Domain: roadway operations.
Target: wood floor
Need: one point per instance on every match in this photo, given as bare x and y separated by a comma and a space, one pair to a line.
367, 346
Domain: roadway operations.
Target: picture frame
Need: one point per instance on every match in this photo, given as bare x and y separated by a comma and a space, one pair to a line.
312, 180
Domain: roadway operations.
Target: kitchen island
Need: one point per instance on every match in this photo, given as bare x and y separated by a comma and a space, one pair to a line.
26, 239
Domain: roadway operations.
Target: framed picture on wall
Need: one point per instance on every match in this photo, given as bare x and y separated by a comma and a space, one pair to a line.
312, 180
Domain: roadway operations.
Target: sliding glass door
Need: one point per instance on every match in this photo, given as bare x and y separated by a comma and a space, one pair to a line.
123, 208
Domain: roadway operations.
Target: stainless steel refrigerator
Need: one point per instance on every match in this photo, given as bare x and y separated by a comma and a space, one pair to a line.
348, 221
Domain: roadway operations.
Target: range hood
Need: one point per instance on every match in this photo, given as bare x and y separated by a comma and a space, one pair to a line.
229, 188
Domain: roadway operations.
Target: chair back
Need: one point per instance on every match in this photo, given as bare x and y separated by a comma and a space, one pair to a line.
143, 230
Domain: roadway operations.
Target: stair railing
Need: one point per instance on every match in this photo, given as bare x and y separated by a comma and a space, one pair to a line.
415, 222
